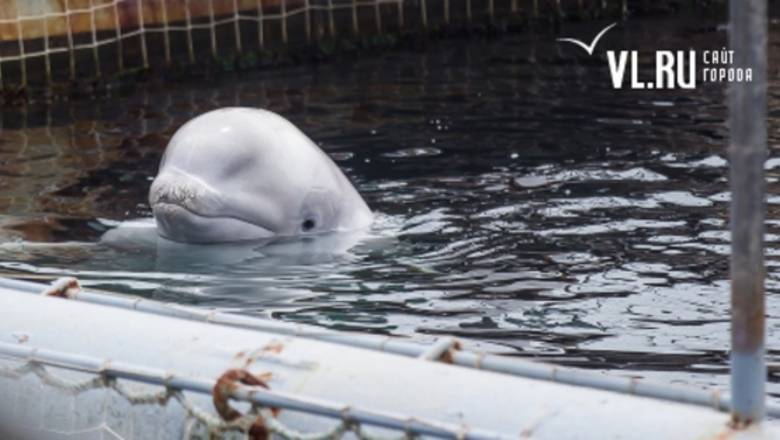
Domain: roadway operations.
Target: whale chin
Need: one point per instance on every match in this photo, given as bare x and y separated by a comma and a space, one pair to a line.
180, 224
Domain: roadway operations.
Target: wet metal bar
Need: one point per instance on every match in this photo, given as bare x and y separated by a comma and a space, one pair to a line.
747, 151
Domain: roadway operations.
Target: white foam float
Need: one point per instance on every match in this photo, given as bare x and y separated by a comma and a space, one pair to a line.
99, 365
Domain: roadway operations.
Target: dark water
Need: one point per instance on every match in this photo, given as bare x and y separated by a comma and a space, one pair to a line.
524, 204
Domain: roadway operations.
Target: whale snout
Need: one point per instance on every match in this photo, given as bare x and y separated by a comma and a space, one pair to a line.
188, 210
177, 188
180, 189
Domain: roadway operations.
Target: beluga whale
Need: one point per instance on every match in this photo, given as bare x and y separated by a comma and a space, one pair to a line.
243, 174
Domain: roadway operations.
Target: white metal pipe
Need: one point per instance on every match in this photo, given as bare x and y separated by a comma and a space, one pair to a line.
390, 384
257, 395
712, 398
747, 152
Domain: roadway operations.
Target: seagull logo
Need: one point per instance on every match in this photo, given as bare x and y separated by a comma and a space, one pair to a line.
589, 48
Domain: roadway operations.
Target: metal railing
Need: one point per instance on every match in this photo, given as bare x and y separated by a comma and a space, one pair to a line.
711, 398
107, 372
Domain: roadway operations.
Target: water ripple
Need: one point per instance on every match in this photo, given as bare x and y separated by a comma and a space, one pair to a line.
524, 205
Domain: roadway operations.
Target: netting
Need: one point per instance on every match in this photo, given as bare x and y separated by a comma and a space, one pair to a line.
197, 419
43, 41
48, 403
59, 394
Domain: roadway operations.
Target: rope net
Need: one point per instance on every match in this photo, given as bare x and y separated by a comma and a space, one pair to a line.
43, 42
82, 405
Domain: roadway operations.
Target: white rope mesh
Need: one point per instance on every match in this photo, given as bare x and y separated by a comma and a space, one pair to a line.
123, 24
118, 34
167, 28
198, 419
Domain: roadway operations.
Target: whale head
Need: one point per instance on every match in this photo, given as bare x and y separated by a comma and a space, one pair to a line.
237, 174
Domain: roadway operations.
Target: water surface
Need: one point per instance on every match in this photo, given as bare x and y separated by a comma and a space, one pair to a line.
523, 204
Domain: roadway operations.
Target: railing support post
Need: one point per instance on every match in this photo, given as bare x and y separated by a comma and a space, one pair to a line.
747, 151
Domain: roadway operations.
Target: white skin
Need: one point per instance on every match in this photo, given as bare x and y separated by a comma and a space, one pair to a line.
238, 174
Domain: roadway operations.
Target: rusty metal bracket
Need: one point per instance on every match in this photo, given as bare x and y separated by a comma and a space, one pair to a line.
224, 387
66, 287
441, 350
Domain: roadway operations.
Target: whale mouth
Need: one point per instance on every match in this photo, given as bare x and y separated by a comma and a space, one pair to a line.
177, 222
187, 209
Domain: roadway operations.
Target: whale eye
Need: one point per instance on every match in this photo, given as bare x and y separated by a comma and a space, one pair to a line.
308, 224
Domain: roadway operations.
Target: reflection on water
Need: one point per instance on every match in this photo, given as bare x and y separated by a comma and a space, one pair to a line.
524, 204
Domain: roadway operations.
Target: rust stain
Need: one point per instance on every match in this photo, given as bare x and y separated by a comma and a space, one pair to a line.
738, 424
267, 376
446, 357
728, 434
249, 357
274, 347
226, 384
528, 432
632, 384
21, 337
67, 288
733, 428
